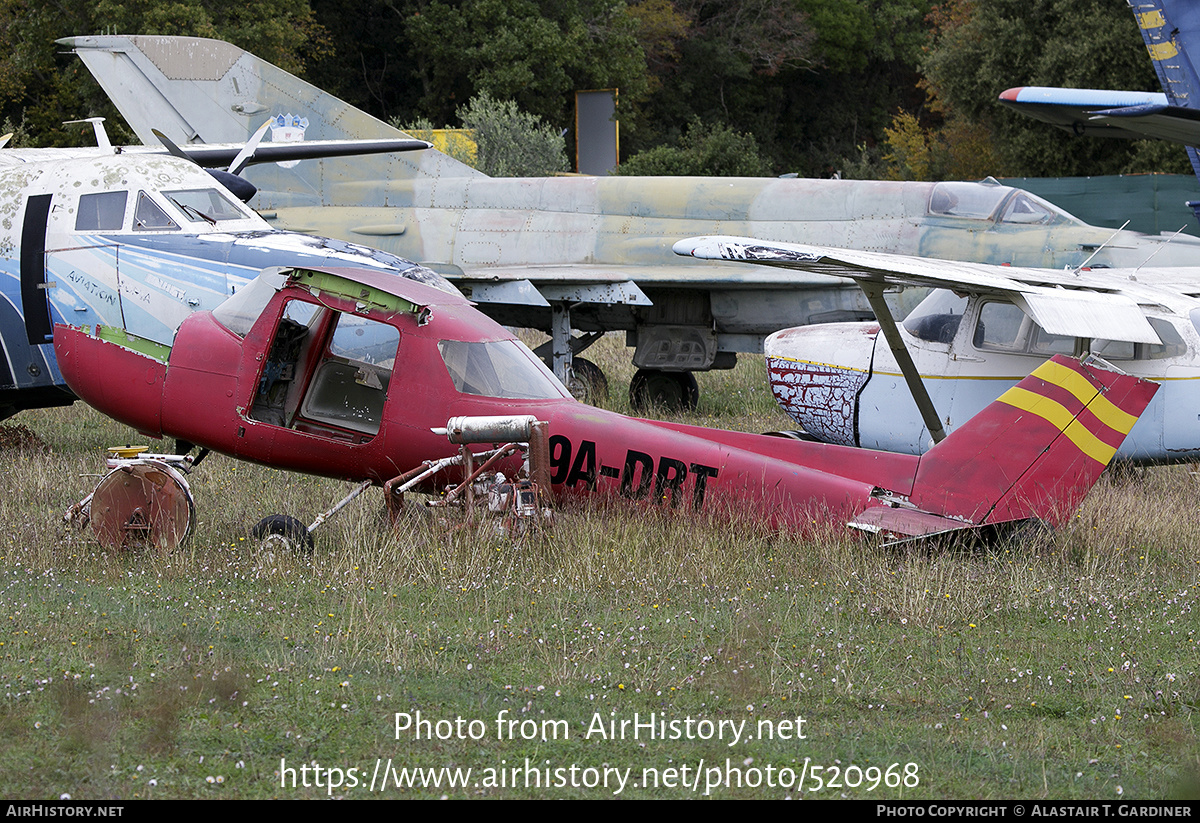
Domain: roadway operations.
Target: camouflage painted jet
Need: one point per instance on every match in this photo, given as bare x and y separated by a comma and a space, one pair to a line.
588, 254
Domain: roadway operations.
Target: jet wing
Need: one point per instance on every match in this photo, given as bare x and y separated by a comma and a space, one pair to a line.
1065, 303
1104, 113
618, 285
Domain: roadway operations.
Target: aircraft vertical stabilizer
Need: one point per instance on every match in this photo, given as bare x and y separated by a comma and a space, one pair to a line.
1035, 451
205, 91
1168, 27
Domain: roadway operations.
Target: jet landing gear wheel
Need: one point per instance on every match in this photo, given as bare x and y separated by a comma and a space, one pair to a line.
669, 390
142, 504
589, 383
278, 531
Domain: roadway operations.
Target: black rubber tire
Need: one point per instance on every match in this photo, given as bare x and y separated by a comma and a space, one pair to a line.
666, 390
590, 385
289, 528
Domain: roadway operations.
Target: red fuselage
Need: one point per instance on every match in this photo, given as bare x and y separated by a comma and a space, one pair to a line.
212, 389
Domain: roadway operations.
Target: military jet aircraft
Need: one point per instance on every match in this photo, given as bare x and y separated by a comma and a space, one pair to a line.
978, 334
133, 241
358, 374
585, 253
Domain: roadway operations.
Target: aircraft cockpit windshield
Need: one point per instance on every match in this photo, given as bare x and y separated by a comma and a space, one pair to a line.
1001, 204
936, 318
207, 205
502, 368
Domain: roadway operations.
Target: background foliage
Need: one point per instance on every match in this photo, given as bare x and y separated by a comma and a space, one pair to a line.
880, 88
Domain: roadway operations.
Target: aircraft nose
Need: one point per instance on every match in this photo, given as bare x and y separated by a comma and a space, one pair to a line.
816, 374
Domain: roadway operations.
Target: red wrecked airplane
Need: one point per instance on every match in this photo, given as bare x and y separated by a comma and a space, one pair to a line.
356, 374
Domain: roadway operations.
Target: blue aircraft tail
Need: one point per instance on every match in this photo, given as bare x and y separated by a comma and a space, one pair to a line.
1170, 28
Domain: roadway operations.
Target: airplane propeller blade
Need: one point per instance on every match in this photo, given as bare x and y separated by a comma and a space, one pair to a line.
248, 150
170, 146
240, 187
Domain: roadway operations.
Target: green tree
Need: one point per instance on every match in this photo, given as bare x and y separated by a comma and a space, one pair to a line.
40, 87
536, 54
811, 79
703, 151
979, 48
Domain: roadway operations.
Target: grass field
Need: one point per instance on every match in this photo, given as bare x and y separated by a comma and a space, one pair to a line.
756, 664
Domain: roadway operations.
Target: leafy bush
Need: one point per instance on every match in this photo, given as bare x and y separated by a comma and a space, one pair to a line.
703, 151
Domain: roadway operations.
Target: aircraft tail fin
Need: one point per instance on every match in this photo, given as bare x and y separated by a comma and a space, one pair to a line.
1032, 454
196, 90
1170, 29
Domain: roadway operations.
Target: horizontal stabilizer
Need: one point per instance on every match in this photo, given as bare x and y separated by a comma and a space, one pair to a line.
1107, 113
222, 156
906, 522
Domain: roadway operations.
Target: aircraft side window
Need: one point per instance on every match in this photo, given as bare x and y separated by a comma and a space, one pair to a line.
970, 200
504, 368
1172, 344
1000, 326
1051, 344
103, 211
149, 216
1114, 349
283, 372
242, 309
204, 204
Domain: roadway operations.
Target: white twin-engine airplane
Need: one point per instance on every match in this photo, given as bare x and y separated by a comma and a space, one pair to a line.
138, 239
974, 337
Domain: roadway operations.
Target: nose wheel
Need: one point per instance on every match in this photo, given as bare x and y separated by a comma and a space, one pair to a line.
587, 382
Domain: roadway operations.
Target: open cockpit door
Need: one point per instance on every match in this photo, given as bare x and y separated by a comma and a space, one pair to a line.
326, 372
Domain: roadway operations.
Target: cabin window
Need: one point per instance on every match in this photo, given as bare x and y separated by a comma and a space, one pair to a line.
207, 205
1004, 327
1115, 349
103, 211
504, 368
1051, 344
239, 312
1028, 210
1172, 344
973, 201
349, 386
1000, 327
937, 317
149, 216
327, 373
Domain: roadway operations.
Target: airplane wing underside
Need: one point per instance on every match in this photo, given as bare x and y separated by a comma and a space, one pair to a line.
1072, 304
1107, 113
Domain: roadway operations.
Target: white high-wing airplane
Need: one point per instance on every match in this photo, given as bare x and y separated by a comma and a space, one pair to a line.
978, 334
